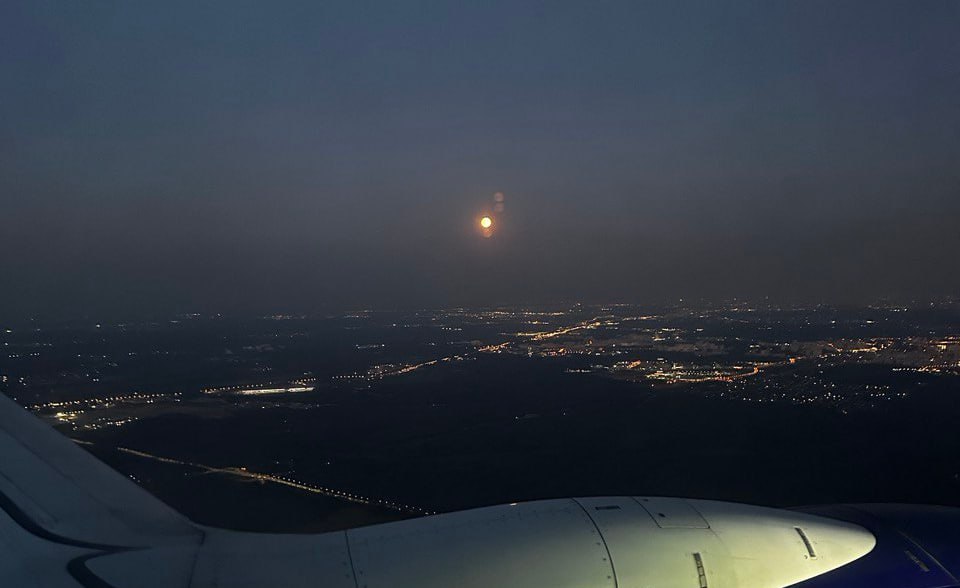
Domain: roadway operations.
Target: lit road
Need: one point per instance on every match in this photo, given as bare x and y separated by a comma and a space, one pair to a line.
284, 481
540, 336
492, 348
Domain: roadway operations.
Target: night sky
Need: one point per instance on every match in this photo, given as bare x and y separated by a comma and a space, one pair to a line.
307, 156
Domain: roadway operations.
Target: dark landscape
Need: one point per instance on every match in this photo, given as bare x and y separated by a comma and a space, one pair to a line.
306, 424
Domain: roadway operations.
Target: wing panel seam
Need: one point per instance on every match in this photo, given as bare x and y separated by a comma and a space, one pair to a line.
613, 569
353, 568
916, 544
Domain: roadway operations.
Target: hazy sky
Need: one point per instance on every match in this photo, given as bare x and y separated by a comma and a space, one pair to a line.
259, 156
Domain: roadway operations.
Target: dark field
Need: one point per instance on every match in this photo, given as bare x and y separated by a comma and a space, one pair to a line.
481, 434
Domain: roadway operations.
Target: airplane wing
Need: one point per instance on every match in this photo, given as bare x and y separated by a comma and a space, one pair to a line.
50, 484
69, 521
60, 504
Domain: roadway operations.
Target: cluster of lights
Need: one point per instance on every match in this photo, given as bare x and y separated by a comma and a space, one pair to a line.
93, 402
